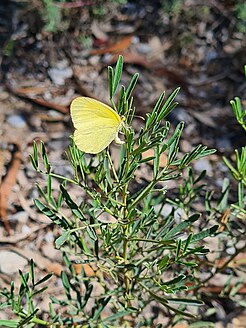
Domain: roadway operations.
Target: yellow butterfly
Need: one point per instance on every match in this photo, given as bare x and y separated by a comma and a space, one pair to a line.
96, 124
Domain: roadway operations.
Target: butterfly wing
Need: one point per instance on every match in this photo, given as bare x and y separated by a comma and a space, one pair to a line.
96, 124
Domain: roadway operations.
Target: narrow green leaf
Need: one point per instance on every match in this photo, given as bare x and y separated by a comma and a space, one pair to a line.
159, 299
71, 204
45, 278
203, 234
122, 100
181, 226
49, 187
151, 118
9, 323
163, 262
178, 248
45, 157
24, 279
110, 80
32, 271
175, 280
117, 73
65, 223
91, 233
179, 312
35, 152
132, 85
65, 281
103, 302
202, 324
62, 239
42, 193
33, 162
166, 109
40, 291
189, 264
188, 241
148, 159
183, 301
117, 315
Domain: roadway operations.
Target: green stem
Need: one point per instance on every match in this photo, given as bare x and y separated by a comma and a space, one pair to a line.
125, 231
143, 193
59, 177
112, 166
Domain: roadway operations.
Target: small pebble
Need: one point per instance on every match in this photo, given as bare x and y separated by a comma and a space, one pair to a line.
166, 210
94, 60
59, 75
203, 164
143, 48
49, 237
19, 217
179, 215
50, 252
25, 229
17, 121
230, 250
11, 262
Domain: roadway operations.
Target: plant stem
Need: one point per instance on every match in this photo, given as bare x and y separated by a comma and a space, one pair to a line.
112, 166
125, 230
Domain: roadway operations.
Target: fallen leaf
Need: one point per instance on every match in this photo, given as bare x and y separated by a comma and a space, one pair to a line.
224, 219
118, 47
31, 90
88, 269
7, 185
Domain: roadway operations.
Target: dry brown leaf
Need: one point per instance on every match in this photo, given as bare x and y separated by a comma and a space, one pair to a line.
31, 90
7, 185
56, 268
117, 47
88, 269
224, 219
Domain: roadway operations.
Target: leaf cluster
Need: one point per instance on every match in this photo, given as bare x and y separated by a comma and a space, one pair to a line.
139, 253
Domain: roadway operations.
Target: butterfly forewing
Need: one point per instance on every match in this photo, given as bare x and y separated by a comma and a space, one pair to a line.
96, 124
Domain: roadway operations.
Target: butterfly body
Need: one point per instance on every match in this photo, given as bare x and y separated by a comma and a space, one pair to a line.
96, 124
